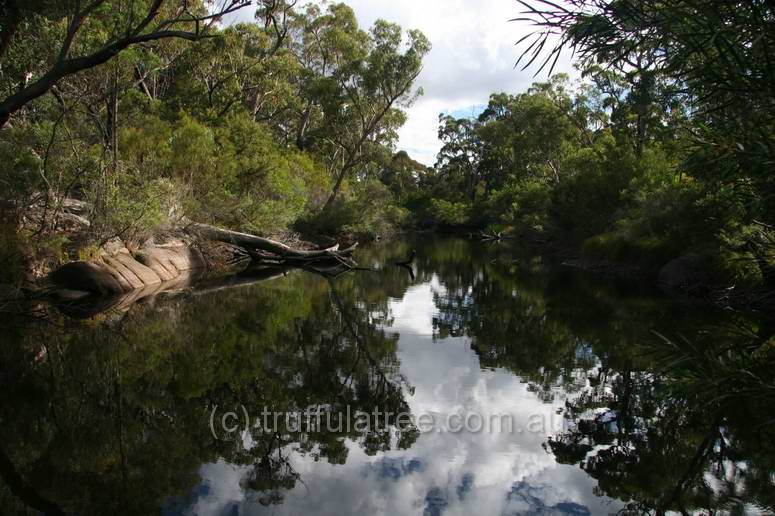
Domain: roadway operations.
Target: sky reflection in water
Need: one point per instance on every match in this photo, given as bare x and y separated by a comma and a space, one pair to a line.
443, 473
109, 415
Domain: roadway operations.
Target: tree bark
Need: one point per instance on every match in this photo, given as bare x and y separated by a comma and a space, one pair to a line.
337, 186
301, 133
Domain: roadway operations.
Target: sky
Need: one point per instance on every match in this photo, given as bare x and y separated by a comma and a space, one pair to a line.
473, 56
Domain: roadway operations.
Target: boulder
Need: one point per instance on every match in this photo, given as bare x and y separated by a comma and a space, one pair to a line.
125, 285
158, 264
170, 261
145, 274
93, 277
129, 276
121, 272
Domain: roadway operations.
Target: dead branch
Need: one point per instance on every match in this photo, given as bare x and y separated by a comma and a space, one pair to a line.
285, 253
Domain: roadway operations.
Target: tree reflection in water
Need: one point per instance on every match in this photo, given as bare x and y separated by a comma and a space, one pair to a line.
669, 409
112, 414
666, 404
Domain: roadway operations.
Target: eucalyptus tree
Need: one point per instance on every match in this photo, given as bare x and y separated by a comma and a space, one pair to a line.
402, 175
460, 155
247, 66
357, 81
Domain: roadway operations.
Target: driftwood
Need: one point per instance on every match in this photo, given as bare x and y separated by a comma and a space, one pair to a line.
487, 237
490, 236
284, 252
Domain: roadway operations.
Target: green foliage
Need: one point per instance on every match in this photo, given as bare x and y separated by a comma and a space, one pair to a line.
149, 145
449, 214
129, 207
366, 208
12, 259
253, 129
738, 269
587, 201
648, 252
358, 81
694, 108
521, 204
271, 184
402, 175
603, 165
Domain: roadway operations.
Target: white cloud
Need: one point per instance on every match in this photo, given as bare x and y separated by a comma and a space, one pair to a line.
490, 472
473, 55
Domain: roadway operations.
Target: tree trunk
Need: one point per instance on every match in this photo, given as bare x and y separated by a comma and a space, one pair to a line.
142, 84
111, 118
265, 244
301, 134
337, 186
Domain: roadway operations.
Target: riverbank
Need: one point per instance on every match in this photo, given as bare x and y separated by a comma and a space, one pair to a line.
717, 276
122, 272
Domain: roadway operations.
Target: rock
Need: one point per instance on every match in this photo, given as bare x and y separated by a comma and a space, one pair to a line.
73, 222
128, 276
93, 277
75, 206
145, 274
170, 262
127, 286
159, 263
65, 295
113, 246
118, 272
122, 273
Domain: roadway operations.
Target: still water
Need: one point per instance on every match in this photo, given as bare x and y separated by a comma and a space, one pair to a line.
611, 397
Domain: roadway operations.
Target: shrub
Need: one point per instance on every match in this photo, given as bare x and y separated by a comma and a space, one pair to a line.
12, 261
522, 204
586, 202
129, 206
365, 207
737, 269
449, 214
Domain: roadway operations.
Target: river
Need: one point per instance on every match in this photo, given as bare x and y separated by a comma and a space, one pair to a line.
496, 382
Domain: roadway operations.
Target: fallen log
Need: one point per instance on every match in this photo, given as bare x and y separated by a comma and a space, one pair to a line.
487, 237
264, 244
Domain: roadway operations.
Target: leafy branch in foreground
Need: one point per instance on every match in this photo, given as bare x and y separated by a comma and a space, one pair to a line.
123, 26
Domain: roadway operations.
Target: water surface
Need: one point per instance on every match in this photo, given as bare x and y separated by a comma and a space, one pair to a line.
604, 382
